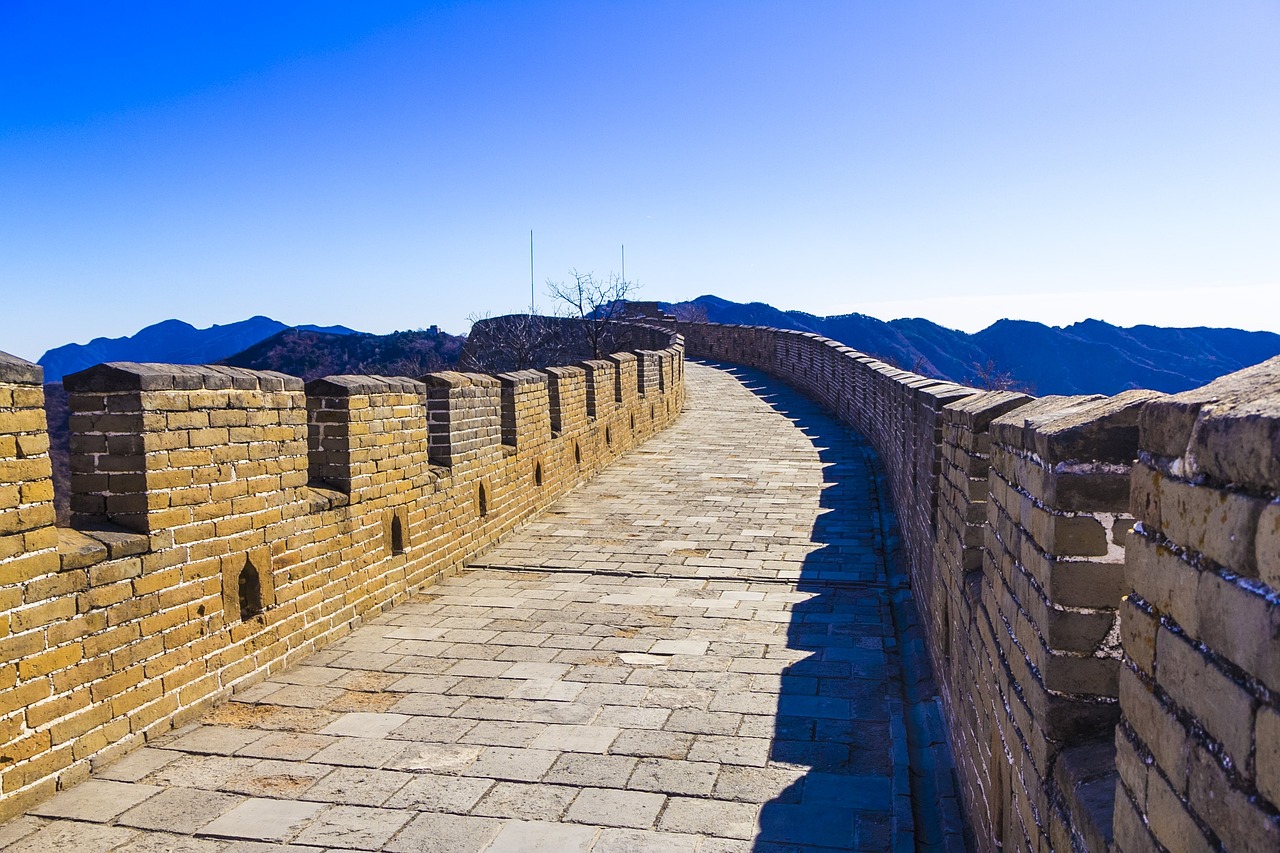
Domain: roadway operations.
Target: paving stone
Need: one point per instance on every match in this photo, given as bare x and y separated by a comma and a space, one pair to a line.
808, 825
503, 733
358, 786
511, 763
353, 827
164, 842
585, 769
674, 777
73, 837
631, 718
305, 696
537, 671
365, 725
437, 758
136, 764
286, 746
213, 740
539, 837
576, 738
95, 800
263, 820
552, 691
525, 801
679, 647
655, 744
277, 779
703, 722
611, 807
445, 833
14, 830
638, 841
760, 784
179, 810
440, 794
362, 752
265, 847
710, 817
730, 750
199, 771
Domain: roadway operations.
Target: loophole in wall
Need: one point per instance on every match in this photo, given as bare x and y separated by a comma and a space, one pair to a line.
397, 535
249, 590
537, 474
577, 453
608, 436
482, 501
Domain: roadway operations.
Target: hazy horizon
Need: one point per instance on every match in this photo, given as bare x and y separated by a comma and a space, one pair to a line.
382, 165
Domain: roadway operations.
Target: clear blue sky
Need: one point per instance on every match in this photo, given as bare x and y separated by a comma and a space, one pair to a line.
381, 164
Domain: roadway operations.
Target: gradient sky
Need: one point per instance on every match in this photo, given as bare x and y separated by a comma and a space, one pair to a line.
381, 164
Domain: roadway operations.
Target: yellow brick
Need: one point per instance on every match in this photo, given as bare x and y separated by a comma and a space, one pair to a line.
49, 661
59, 706
23, 695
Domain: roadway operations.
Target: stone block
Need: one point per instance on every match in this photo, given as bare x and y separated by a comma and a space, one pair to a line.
1220, 524
1220, 704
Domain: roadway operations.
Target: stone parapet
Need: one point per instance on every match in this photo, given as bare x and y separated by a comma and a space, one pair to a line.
1044, 629
229, 522
1199, 742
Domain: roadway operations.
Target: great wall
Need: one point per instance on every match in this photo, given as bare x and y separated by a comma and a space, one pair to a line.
1097, 578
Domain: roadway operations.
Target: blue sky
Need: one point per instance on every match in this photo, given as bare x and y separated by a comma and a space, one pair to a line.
381, 164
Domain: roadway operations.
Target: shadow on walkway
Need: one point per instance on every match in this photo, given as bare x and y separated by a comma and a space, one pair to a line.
859, 719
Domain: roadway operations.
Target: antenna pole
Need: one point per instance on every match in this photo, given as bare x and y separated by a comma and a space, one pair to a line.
624, 261
531, 306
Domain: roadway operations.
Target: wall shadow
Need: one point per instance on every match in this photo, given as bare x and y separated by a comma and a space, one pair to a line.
844, 710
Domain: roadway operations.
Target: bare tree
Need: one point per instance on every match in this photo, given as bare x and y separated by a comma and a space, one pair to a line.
690, 312
990, 377
514, 342
597, 302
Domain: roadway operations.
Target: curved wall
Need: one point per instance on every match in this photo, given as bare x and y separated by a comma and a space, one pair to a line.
1096, 696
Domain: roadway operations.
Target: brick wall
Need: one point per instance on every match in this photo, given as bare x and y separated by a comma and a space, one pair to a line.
1044, 629
1052, 581
1199, 742
228, 522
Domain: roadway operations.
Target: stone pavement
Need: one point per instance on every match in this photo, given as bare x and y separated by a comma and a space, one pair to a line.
694, 652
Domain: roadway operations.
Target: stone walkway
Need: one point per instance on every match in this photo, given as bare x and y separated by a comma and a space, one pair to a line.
694, 652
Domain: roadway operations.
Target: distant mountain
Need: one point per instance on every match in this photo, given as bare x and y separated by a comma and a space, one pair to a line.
170, 341
311, 354
1090, 357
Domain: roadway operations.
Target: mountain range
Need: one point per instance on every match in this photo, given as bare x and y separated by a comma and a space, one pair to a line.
171, 341
311, 354
1089, 357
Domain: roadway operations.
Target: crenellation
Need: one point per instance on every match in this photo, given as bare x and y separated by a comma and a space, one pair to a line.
567, 399
625, 376
648, 368
228, 521
526, 410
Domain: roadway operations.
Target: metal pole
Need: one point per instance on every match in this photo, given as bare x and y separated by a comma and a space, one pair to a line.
531, 305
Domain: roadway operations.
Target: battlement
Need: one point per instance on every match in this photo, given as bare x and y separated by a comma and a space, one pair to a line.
1099, 584
227, 522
